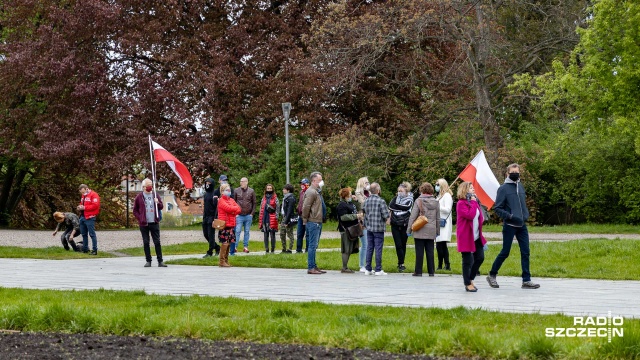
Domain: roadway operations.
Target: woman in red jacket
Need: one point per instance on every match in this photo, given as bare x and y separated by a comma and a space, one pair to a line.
269, 217
469, 234
228, 209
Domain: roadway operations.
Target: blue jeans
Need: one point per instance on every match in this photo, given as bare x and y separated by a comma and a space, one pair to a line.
313, 238
522, 235
88, 228
375, 242
363, 249
242, 220
300, 236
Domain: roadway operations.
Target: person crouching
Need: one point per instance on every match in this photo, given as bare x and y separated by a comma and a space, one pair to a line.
72, 222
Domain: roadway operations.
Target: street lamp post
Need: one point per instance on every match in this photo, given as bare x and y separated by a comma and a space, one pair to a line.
286, 110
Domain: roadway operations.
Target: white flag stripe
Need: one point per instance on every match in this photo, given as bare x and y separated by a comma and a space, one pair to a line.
484, 175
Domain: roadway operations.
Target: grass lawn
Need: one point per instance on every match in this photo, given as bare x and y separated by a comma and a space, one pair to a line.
49, 253
572, 229
587, 259
201, 247
455, 332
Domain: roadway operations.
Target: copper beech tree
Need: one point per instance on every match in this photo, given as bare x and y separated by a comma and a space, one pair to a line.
85, 82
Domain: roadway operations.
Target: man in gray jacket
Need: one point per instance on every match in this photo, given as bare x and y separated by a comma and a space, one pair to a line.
246, 198
511, 206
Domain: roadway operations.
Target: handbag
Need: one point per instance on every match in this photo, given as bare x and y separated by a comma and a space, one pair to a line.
354, 231
420, 221
218, 224
443, 222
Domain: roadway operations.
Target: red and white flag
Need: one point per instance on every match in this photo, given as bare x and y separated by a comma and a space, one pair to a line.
484, 182
161, 154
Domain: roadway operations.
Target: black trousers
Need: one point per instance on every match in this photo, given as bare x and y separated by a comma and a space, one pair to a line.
443, 253
210, 234
154, 230
267, 234
399, 234
471, 262
422, 246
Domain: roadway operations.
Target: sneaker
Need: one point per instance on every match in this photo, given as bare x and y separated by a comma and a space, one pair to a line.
346, 271
232, 254
93, 252
148, 264
161, 264
493, 283
530, 285
367, 272
401, 268
363, 270
379, 273
206, 256
245, 250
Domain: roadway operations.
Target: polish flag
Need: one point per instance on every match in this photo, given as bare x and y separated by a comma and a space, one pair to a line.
161, 154
484, 182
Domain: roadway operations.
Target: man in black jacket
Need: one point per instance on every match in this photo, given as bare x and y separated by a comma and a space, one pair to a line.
210, 213
289, 218
511, 206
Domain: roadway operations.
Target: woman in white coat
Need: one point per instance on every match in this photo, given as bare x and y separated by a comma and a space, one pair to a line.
445, 198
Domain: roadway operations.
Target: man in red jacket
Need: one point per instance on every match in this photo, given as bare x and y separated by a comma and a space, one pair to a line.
89, 208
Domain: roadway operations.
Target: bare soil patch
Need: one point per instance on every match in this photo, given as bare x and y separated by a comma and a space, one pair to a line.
91, 346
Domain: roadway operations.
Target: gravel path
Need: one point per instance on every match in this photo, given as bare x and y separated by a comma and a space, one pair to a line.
111, 240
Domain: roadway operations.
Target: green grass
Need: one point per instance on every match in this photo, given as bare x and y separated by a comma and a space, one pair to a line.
456, 332
49, 253
587, 259
572, 229
202, 247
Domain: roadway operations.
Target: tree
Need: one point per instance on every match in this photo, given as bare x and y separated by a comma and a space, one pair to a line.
595, 160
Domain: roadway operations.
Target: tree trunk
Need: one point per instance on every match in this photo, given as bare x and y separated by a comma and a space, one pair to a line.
477, 52
7, 184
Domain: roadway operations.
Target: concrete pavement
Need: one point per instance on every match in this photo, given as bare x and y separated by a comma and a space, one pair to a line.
568, 296
111, 240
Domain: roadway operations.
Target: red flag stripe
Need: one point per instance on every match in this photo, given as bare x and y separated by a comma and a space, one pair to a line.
162, 155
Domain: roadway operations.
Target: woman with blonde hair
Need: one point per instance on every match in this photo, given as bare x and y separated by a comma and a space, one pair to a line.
228, 209
444, 195
400, 209
72, 222
470, 240
362, 193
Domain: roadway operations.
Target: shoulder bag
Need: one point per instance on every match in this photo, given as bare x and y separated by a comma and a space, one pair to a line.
420, 221
218, 224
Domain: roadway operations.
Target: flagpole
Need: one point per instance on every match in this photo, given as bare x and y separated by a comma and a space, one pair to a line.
153, 175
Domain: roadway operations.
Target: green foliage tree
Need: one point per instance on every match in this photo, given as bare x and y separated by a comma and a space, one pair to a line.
594, 161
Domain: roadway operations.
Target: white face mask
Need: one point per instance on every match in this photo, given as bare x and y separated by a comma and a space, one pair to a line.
368, 187
321, 184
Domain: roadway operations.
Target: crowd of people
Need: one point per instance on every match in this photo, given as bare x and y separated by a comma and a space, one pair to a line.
362, 218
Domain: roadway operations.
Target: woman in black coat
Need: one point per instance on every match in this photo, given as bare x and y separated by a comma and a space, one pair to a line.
347, 216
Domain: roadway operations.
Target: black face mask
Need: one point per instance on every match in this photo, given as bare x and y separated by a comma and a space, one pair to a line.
514, 176
208, 187
269, 192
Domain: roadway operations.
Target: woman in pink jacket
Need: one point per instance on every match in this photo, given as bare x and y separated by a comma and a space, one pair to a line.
469, 234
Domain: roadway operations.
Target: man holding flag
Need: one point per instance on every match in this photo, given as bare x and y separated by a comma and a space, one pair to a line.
511, 206
146, 209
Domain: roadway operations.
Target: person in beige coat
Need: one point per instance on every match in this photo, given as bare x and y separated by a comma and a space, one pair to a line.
428, 206
445, 198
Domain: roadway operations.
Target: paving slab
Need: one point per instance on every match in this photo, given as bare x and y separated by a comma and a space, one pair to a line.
111, 240
577, 297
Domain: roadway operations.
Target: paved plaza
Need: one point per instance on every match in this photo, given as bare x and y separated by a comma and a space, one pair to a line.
568, 296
